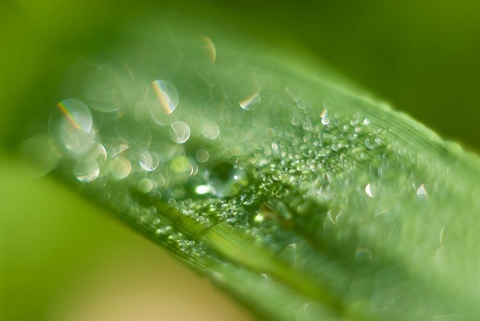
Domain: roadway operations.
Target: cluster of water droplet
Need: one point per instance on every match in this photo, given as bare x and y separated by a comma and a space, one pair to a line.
221, 140
205, 129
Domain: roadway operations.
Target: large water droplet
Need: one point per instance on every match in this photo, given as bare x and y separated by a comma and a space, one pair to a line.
120, 167
146, 185
372, 142
72, 124
110, 87
210, 130
39, 149
149, 161
87, 170
226, 180
251, 101
166, 94
179, 132
77, 113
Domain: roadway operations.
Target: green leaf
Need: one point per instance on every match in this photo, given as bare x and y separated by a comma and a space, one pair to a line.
302, 195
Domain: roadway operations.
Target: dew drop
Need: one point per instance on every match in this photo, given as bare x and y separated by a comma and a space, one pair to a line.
226, 180
180, 165
149, 161
210, 48
166, 94
324, 116
210, 130
202, 189
421, 191
99, 153
372, 142
87, 170
39, 148
179, 132
77, 113
369, 190
110, 87
120, 167
259, 218
250, 102
295, 92
117, 150
72, 124
202, 155
146, 185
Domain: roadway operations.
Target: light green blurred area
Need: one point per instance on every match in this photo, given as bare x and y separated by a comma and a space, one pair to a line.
60, 255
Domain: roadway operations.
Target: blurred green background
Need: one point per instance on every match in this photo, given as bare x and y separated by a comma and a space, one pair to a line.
62, 259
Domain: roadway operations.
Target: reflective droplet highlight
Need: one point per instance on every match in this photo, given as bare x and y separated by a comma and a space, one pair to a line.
259, 218
202, 189
369, 190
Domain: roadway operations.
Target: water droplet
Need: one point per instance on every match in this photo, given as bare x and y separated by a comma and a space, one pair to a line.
210, 48
372, 142
180, 164
202, 155
295, 92
370, 190
117, 150
99, 153
166, 94
149, 161
324, 116
87, 170
421, 191
226, 180
366, 121
250, 102
77, 113
110, 87
39, 149
146, 185
179, 132
210, 130
120, 167
296, 121
72, 124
